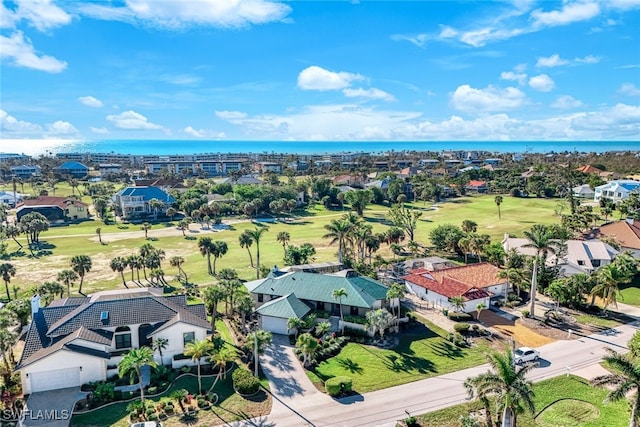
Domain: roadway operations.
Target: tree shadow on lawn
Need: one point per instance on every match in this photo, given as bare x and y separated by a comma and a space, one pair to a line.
350, 365
409, 363
381, 220
446, 349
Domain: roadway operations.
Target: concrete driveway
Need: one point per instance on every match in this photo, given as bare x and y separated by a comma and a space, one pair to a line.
52, 408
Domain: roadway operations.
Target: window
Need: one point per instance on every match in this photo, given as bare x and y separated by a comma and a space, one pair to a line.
580, 262
353, 311
123, 341
188, 337
320, 305
260, 298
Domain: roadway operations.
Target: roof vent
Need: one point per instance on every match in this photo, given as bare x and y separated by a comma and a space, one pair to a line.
104, 317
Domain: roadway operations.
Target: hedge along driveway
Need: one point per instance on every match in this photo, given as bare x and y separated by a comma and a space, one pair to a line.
421, 353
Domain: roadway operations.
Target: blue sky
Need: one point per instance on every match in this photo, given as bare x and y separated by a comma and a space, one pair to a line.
331, 70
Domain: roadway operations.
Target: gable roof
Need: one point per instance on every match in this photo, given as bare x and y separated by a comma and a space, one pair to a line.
285, 307
361, 291
57, 326
476, 183
147, 193
589, 169
72, 165
446, 286
625, 233
61, 202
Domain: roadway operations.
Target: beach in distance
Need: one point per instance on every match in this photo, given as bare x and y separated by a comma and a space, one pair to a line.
169, 147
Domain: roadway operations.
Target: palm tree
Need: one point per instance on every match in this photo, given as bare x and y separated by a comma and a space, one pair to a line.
99, 233
322, 328
256, 235
295, 323
396, 291
465, 246
213, 294
623, 383
283, 237
119, 264
145, 227
81, 264
197, 350
479, 309
338, 231
540, 239
180, 396
158, 345
220, 359
498, 200
243, 303
339, 294
135, 262
171, 212
7, 270
230, 284
458, 303
608, 281
155, 205
245, 242
205, 244
471, 385
177, 261
218, 249
260, 340
131, 365
507, 382
66, 277
379, 320
308, 346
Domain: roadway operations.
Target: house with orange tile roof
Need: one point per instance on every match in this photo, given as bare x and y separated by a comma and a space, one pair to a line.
477, 186
475, 283
589, 169
626, 233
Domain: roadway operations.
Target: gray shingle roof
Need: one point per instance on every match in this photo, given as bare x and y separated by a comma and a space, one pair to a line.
285, 307
361, 291
56, 326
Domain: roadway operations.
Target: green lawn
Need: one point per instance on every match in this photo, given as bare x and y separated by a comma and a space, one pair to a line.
584, 409
421, 353
588, 319
61, 243
630, 293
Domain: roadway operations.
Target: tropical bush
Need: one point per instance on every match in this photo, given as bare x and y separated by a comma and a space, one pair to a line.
461, 327
338, 385
459, 317
244, 382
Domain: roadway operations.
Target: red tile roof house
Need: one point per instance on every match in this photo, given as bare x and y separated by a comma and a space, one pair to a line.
476, 283
478, 186
625, 232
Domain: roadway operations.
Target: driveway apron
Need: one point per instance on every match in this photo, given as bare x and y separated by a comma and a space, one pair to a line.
51, 408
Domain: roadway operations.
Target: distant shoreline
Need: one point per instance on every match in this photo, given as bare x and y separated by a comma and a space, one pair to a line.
193, 147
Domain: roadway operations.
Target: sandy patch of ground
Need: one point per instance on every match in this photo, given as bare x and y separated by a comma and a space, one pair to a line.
523, 335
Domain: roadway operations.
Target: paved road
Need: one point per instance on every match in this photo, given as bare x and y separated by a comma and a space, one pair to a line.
385, 407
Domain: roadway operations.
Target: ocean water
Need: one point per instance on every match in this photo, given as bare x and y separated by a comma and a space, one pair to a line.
168, 147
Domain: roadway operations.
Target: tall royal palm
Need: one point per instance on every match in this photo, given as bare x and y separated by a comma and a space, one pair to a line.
67, 276
338, 231
81, 264
283, 237
205, 244
623, 383
608, 281
541, 240
338, 294
197, 350
132, 363
119, 264
507, 382
213, 294
7, 271
218, 249
245, 242
256, 234
177, 261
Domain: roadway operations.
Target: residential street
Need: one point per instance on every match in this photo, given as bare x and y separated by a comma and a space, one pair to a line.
385, 407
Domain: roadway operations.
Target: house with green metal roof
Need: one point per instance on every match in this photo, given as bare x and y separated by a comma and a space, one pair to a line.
315, 291
275, 314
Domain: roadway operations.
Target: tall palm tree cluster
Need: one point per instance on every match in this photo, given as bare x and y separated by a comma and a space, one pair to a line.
356, 240
148, 259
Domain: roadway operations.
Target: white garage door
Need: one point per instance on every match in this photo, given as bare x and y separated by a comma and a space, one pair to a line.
275, 325
52, 380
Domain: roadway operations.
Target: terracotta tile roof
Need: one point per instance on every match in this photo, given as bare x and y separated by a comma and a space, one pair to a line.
588, 169
61, 202
628, 235
474, 183
468, 281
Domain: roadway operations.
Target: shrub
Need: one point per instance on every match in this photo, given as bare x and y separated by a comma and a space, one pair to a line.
338, 385
410, 421
475, 328
460, 317
152, 390
525, 313
244, 382
152, 417
461, 327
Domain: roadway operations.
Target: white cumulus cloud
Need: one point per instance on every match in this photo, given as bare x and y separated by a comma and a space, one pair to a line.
42, 14
491, 99
629, 89
521, 78
180, 14
131, 120
570, 12
203, 133
589, 59
372, 93
566, 102
61, 128
552, 61
90, 101
542, 83
10, 124
318, 78
21, 53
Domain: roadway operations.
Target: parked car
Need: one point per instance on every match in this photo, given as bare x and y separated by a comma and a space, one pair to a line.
525, 354
147, 424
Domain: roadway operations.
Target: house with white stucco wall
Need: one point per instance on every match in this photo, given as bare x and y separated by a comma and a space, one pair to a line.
78, 340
